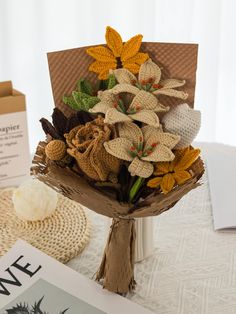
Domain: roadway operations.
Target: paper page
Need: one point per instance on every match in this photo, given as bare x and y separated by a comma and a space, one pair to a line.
29, 276
221, 168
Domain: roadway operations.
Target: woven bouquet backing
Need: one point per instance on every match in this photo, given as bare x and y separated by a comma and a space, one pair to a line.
66, 67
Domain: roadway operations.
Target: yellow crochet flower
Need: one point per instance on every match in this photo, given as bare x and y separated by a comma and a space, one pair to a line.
170, 174
117, 54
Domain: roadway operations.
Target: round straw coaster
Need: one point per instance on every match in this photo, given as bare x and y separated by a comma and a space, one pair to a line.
62, 235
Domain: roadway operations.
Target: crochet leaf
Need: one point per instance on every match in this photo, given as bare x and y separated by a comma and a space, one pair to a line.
90, 102
84, 101
69, 100
188, 159
131, 47
85, 86
114, 41
111, 81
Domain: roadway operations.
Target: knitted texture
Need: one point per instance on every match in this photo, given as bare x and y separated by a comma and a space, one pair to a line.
86, 146
55, 150
184, 121
117, 54
62, 235
141, 147
142, 108
170, 174
149, 80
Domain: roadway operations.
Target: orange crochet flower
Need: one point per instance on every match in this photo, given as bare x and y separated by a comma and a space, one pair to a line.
117, 54
170, 174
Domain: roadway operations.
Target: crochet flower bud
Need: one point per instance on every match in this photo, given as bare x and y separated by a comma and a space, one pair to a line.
184, 121
55, 150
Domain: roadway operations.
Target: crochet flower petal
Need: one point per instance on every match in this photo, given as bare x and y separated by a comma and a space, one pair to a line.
145, 100
124, 76
172, 83
188, 159
124, 88
101, 53
171, 92
159, 154
131, 47
140, 168
153, 135
146, 116
130, 131
114, 116
181, 176
162, 168
114, 41
132, 67
154, 183
167, 183
139, 59
101, 107
98, 66
149, 70
119, 147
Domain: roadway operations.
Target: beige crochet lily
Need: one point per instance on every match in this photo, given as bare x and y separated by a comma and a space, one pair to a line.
143, 108
141, 147
149, 80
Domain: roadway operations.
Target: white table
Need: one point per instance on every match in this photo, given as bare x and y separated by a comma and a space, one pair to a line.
193, 269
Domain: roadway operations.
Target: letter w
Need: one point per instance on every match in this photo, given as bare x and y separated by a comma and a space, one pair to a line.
3, 281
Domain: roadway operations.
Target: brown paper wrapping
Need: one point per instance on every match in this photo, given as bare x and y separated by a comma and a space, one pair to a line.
117, 266
66, 67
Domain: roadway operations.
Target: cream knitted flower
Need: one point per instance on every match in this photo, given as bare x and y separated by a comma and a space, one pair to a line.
149, 81
141, 147
143, 108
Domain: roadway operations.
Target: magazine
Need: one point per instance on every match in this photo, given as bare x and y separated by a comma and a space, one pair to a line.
32, 282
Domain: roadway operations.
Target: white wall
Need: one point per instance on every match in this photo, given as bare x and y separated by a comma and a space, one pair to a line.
30, 28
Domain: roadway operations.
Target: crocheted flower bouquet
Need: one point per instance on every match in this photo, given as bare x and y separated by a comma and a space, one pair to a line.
120, 138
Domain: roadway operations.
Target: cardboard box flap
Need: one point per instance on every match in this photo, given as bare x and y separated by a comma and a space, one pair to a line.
6, 89
176, 60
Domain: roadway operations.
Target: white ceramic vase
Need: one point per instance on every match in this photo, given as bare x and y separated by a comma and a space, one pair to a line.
144, 244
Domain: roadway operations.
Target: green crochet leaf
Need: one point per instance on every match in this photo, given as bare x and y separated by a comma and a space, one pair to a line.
69, 100
85, 86
90, 103
111, 81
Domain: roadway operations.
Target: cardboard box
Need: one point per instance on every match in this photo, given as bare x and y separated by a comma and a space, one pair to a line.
14, 144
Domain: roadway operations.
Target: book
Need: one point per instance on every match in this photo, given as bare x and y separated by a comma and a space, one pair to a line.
32, 282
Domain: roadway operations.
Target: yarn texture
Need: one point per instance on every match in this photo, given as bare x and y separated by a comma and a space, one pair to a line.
141, 146
170, 174
55, 150
184, 121
149, 80
117, 54
86, 146
143, 108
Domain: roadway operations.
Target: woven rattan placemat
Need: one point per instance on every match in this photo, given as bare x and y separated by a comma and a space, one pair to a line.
62, 235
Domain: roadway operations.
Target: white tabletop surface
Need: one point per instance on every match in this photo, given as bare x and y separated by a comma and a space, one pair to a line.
193, 268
